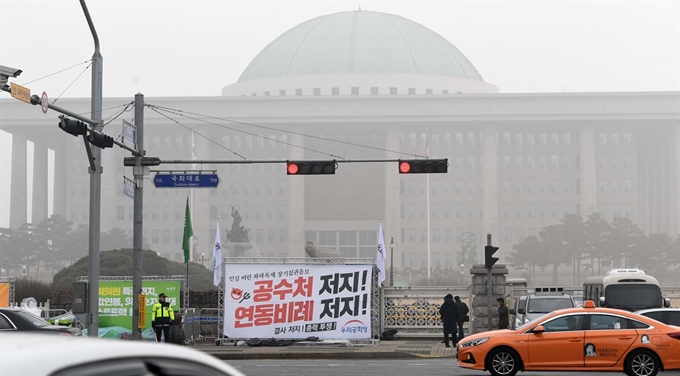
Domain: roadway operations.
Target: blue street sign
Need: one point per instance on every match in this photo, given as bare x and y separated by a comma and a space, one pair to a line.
186, 180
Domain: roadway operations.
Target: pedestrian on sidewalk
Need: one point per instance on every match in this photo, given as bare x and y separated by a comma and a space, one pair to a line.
462, 316
503, 319
162, 315
449, 315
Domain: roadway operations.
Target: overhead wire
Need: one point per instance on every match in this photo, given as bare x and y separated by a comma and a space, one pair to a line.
52, 74
172, 111
293, 133
196, 132
128, 108
72, 82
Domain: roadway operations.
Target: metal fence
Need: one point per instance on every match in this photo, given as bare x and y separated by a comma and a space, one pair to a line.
50, 313
414, 312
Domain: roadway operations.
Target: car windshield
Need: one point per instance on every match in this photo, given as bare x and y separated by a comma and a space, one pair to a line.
533, 322
633, 297
33, 319
545, 305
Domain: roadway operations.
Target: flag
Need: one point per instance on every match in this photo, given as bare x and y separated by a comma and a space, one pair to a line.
427, 142
217, 257
380, 257
188, 233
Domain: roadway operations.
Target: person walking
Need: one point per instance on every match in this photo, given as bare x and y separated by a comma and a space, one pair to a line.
462, 315
449, 316
162, 315
503, 318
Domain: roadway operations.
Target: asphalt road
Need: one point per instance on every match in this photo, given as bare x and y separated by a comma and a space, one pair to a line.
354, 367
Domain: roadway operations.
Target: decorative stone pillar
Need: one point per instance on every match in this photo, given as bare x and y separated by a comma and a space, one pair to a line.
479, 300
18, 206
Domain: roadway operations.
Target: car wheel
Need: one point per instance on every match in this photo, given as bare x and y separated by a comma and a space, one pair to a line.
642, 363
503, 362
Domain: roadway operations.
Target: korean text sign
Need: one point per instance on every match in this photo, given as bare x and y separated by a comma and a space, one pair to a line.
298, 301
115, 300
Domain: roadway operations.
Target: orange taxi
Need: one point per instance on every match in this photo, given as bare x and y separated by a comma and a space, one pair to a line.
576, 339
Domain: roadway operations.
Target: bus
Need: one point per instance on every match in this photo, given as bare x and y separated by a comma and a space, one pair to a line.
627, 289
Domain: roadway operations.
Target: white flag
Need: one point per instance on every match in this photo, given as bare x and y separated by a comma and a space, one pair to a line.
380, 257
217, 257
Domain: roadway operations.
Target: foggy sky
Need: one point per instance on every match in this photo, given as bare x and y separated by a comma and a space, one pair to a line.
194, 48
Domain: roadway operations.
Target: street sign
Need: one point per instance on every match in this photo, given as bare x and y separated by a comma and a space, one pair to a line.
190, 180
129, 132
21, 93
128, 187
44, 104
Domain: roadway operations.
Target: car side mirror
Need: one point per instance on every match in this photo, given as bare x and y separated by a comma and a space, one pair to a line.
667, 303
521, 311
602, 301
538, 329
512, 311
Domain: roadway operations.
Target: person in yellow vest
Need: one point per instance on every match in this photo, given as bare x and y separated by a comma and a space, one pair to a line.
162, 315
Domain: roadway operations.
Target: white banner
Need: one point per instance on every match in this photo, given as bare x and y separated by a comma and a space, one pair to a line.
297, 301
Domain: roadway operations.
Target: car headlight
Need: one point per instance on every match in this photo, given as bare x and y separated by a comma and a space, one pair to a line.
475, 342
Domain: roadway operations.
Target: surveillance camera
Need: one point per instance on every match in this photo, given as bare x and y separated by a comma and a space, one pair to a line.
9, 72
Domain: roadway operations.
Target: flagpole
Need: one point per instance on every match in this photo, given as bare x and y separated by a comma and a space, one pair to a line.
191, 192
429, 254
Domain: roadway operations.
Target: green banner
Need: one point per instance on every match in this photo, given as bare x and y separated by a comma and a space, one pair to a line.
115, 300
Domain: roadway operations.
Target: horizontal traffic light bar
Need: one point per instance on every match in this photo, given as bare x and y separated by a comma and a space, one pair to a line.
423, 166
80, 128
311, 167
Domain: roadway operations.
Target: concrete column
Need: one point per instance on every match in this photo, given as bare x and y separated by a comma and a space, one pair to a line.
588, 171
18, 200
479, 301
61, 178
675, 167
490, 184
40, 181
392, 220
296, 200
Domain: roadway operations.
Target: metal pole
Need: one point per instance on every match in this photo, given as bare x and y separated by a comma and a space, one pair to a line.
392, 261
138, 215
489, 287
429, 254
95, 184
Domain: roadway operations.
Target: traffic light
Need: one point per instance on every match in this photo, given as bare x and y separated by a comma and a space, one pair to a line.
423, 166
489, 260
311, 168
146, 161
71, 126
100, 140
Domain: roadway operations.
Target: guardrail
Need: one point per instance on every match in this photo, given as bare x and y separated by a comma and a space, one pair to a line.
202, 324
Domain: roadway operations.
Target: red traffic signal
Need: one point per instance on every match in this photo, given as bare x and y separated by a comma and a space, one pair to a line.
424, 166
311, 168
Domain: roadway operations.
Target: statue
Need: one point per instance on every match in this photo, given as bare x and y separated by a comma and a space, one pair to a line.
238, 233
237, 239
314, 252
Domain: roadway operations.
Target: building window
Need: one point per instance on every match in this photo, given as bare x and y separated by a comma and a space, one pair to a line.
271, 235
154, 237
411, 90
412, 235
335, 91
317, 91
355, 90
374, 90
282, 93
154, 212
428, 91
436, 235
121, 213
298, 92
283, 235
259, 235
423, 235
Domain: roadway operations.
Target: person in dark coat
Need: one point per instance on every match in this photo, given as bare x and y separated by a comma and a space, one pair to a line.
462, 313
503, 318
449, 315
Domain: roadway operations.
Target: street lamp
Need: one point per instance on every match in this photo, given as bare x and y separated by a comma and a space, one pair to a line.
461, 274
392, 261
202, 259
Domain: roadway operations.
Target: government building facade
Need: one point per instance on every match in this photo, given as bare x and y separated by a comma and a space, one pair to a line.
367, 85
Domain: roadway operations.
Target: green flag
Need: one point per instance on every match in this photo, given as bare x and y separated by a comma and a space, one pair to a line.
188, 233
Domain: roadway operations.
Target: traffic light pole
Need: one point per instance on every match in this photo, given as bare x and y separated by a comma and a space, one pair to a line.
95, 184
138, 216
489, 287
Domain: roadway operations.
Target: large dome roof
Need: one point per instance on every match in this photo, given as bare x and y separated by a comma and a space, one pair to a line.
360, 42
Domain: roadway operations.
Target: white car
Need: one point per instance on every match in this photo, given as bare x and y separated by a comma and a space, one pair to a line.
49, 355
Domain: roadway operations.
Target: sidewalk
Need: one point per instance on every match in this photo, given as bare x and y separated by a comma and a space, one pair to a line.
385, 350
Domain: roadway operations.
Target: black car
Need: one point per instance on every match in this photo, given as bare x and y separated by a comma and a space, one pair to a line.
670, 316
17, 319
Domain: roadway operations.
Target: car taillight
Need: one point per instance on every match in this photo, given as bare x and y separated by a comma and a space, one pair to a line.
65, 334
674, 335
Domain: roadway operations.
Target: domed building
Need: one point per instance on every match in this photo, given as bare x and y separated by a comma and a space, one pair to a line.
359, 53
363, 85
